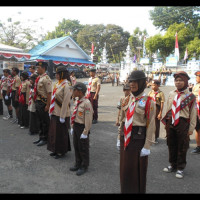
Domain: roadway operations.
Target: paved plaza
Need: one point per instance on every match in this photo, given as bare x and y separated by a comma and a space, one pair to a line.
27, 168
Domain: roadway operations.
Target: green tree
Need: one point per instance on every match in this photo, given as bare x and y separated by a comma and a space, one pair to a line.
13, 34
164, 16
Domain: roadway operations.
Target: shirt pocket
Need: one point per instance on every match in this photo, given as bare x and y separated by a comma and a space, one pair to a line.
80, 112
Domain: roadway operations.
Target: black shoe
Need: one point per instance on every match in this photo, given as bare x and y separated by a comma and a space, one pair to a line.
94, 121
53, 154
37, 141
59, 156
75, 168
81, 171
196, 150
42, 142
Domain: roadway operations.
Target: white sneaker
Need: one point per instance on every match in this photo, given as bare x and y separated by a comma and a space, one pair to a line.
7, 117
179, 174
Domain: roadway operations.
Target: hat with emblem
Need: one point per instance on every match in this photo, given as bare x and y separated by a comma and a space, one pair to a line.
61, 69
197, 73
79, 86
136, 75
44, 64
181, 73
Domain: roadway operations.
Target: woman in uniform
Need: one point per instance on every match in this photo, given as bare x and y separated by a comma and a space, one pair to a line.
138, 134
58, 135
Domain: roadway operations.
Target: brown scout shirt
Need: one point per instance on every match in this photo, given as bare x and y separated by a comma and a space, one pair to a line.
84, 114
188, 113
63, 95
44, 86
95, 82
17, 83
160, 97
5, 83
26, 89
140, 118
195, 89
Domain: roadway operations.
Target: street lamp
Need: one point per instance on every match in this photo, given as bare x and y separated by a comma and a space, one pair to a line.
139, 48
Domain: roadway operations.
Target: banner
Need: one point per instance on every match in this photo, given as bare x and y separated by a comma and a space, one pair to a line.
171, 61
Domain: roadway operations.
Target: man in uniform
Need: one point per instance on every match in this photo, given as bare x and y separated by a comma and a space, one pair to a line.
42, 98
93, 93
196, 92
81, 121
14, 87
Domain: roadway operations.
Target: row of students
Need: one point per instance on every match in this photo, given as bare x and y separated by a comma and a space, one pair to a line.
138, 114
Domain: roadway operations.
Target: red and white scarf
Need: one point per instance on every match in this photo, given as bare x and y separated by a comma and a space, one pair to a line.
75, 110
89, 88
176, 106
129, 121
154, 96
57, 85
30, 96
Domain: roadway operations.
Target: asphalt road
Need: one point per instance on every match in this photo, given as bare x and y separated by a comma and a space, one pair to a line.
27, 168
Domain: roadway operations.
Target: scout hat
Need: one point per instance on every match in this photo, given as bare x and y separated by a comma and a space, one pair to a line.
136, 75
156, 81
92, 70
61, 69
44, 64
79, 86
181, 73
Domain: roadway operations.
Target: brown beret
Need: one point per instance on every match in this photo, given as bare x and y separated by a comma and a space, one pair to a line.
181, 73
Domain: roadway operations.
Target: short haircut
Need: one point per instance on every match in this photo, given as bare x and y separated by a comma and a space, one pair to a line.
6, 71
15, 69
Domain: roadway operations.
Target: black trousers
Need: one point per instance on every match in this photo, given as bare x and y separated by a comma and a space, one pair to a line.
44, 119
23, 119
34, 123
1, 106
81, 146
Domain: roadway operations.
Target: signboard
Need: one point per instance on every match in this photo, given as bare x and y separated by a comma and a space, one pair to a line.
10, 65
171, 61
144, 60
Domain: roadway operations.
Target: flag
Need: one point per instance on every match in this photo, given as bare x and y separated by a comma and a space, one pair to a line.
92, 50
176, 47
186, 54
134, 58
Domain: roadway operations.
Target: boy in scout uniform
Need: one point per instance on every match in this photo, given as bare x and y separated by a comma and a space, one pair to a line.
42, 98
94, 85
81, 121
138, 135
196, 92
159, 98
180, 122
14, 87
6, 93
24, 90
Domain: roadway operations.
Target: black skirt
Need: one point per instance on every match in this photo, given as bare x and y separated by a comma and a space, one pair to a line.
58, 136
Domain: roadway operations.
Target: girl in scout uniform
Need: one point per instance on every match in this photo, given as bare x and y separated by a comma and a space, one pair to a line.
58, 135
180, 122
81, 122
23, 93
159, 98
34, 123
138, 134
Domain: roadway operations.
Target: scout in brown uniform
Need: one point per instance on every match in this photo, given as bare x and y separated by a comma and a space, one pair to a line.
42, 92
34, 123
24, 90
159, 98
14, 87
81, 121
139, 130
122, 103
180, 122
6, 93
58, 136
1, 97
196, 92
94, 93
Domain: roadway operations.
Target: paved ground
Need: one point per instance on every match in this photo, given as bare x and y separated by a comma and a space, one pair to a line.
26, 168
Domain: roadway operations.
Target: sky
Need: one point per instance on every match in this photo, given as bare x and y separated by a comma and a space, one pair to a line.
128, 17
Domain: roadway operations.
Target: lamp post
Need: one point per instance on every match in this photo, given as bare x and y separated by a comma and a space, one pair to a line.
139, 48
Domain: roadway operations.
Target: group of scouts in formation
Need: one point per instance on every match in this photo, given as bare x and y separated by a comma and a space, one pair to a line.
47, 110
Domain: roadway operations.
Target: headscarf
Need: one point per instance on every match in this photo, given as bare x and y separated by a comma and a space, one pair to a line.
185, 78
141, 86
